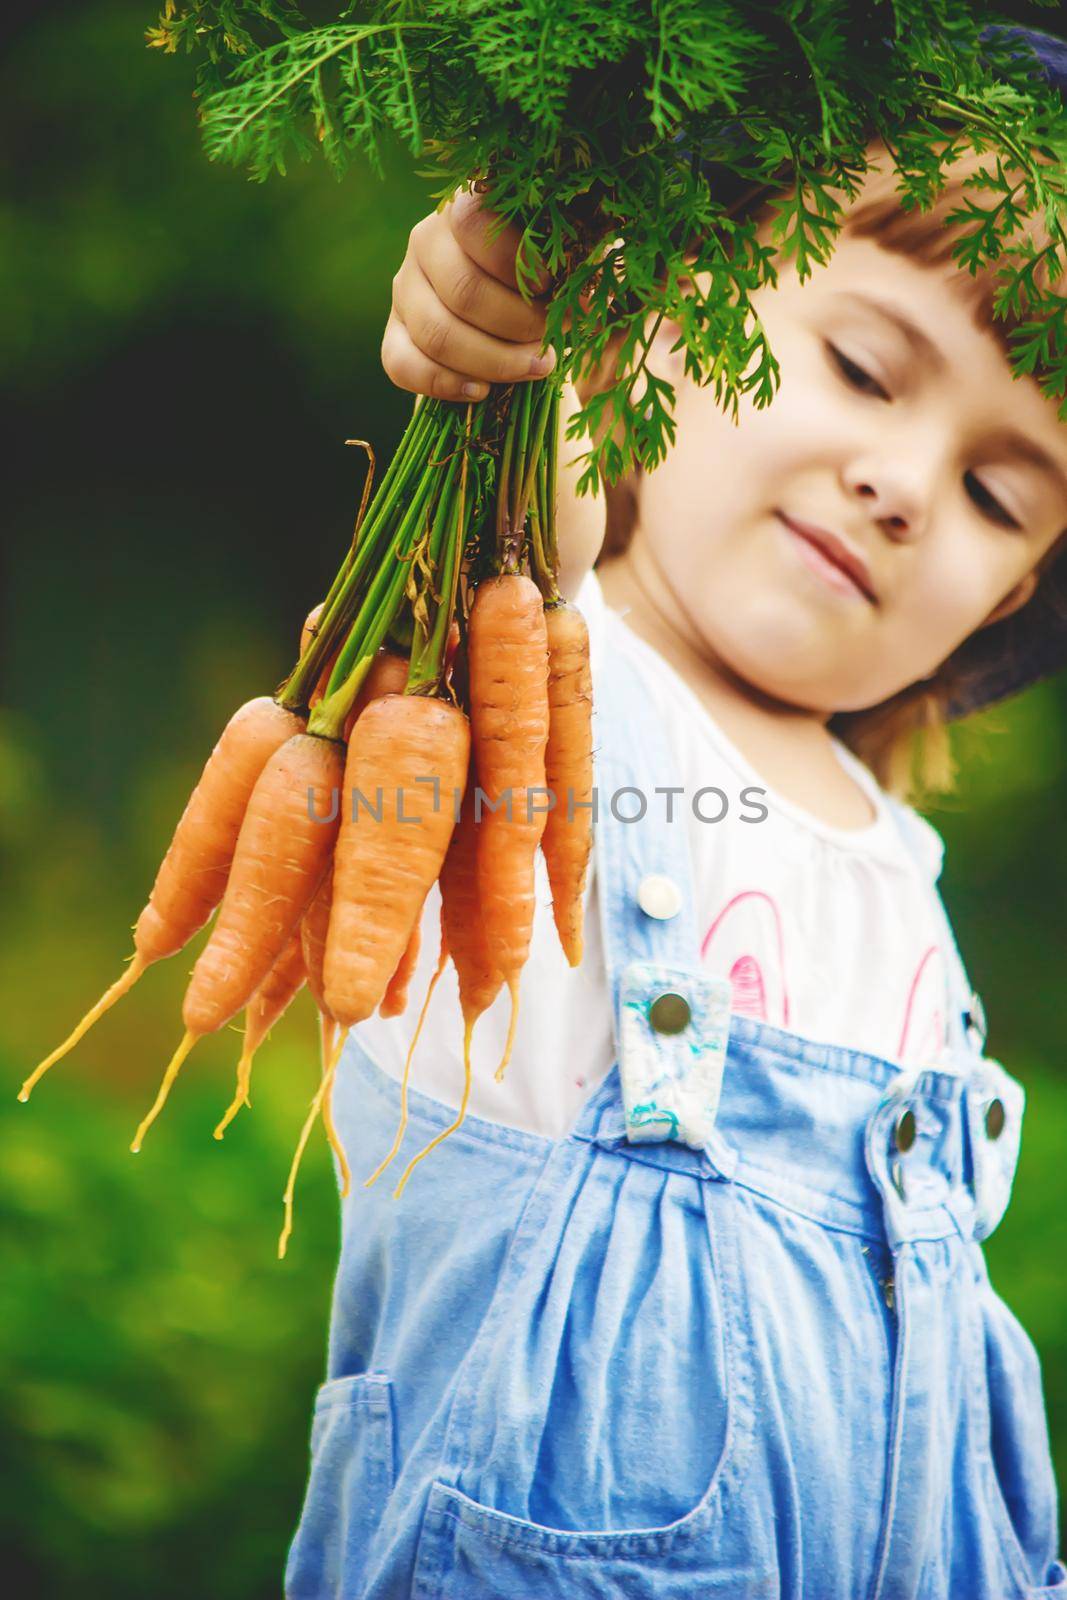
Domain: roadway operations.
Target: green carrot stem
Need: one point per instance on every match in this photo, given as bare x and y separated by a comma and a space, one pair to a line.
504, 478
402, 457
521, 423
399, 553
330, 715
541, 565
418, 442
423, 641
428, 663
531, 450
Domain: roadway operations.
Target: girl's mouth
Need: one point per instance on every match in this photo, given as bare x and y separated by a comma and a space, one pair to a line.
841, 569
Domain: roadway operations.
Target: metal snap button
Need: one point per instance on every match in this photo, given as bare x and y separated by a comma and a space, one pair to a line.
995, 1119
659, 897
904, 1133
669, 1013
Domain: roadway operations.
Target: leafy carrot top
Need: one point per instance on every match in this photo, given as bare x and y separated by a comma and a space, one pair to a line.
626, 137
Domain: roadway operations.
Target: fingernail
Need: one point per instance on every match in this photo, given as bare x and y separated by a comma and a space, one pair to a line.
541, 366
473, 391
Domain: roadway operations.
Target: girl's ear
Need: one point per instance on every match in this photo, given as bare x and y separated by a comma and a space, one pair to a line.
1013, 600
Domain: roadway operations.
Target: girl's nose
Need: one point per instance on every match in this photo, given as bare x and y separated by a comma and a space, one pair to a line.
891, 496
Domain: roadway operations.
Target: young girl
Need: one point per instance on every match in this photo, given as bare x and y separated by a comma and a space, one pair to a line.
693, 1302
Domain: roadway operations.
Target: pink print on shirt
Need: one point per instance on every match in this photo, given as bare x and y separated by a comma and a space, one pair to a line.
923, 1035
749, 928
746, 941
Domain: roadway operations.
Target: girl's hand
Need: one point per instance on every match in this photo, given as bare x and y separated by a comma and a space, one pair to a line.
458, 321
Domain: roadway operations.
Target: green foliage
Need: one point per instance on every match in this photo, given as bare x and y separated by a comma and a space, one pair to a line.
599, 121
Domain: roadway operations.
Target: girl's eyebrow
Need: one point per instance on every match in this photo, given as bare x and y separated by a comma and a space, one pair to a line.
921, 343
1010, 440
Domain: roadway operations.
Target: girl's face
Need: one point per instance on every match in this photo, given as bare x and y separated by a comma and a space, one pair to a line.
909, 455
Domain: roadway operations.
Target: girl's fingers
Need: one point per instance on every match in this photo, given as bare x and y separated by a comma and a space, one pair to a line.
410, 369
474, 229
472, 293
449, 342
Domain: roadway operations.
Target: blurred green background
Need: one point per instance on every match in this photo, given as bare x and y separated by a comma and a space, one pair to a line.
184, 353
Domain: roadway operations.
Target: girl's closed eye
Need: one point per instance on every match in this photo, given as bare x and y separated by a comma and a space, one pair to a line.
988, 503
855, 376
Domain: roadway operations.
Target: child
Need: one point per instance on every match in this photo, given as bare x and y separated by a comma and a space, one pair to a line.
726, 1332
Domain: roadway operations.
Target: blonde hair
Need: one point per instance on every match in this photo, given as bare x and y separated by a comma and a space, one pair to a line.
905, 740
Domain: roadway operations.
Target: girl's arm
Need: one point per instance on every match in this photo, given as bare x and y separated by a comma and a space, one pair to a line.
458, 323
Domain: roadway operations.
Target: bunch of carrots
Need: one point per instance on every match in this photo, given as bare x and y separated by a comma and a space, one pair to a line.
443, 661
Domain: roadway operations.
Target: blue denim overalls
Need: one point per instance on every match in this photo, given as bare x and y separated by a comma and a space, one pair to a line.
602, 1365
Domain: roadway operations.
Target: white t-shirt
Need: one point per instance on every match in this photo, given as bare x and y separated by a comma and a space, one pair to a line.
830, 932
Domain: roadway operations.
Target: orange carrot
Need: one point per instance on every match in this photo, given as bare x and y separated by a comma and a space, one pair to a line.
192, 876
388, 675
310, 628
461, 918
271, 1000
395, 999
568, 835
508, 652
282, 851
383, 869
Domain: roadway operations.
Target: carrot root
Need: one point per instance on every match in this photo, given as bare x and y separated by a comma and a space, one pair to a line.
402, 1125
513, 990
305, 1134
120, 987
327, 1034
244, 1078
461, 1114
165, 1087
328, 1123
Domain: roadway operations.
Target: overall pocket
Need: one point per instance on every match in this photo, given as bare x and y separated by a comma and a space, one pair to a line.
1013, 1439
352, 1476
598, 1440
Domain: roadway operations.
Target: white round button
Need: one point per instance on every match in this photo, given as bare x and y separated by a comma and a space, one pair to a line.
659, 897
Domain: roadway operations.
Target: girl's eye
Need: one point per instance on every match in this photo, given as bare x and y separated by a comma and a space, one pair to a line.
988, 503
854, 375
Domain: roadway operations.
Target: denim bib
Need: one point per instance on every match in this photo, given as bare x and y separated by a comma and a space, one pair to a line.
732, 1336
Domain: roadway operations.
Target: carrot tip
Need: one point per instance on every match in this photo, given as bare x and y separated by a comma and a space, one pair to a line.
244, 1071
120, 987
173, 1068
513, 990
